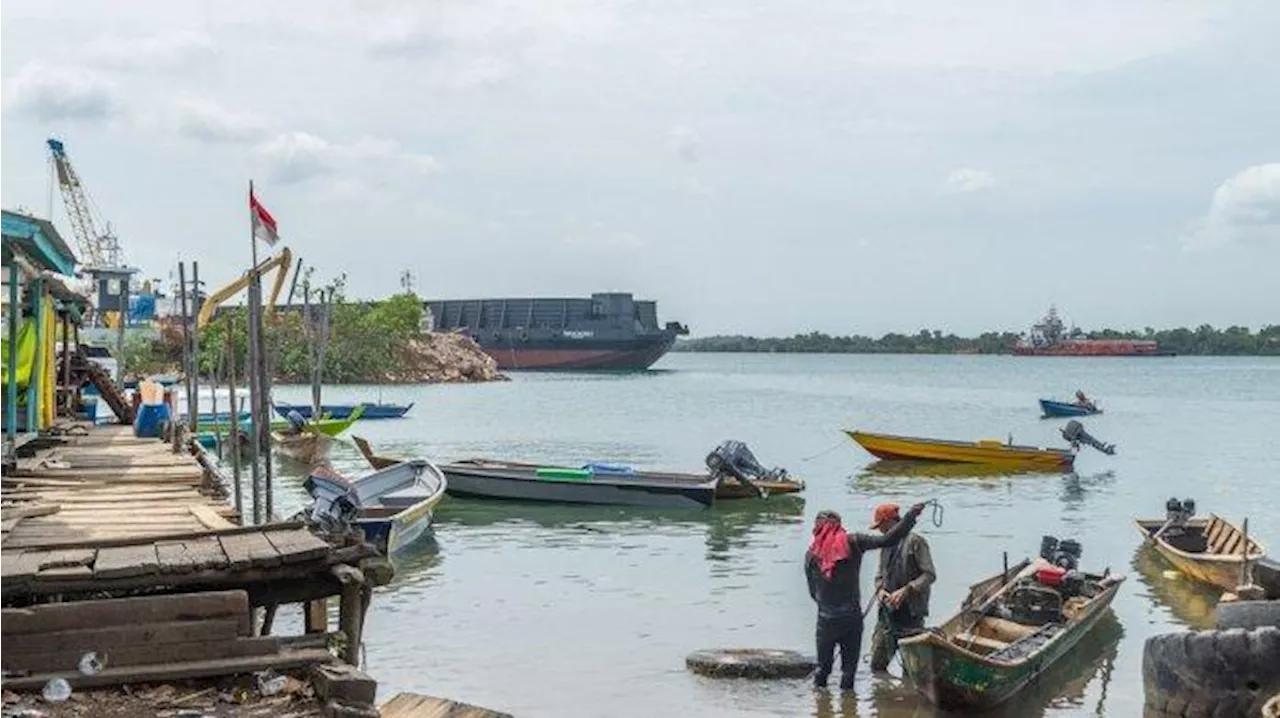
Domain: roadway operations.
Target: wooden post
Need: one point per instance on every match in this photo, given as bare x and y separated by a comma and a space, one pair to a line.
315, 617
264, 404
255, 402
195, 351
268, 619
1244, 555
186, 347
350, 615
11, 368
235, 415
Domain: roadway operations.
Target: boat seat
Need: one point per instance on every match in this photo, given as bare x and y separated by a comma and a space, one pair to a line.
1005, 630
1028, 644
404, 497
969, 640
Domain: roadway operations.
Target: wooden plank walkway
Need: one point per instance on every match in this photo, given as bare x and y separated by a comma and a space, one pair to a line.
106, 485
416, 705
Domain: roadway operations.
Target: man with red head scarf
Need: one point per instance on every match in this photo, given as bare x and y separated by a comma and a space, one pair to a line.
832, 565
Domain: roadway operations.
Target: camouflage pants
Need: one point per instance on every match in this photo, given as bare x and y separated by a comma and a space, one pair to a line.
884, 639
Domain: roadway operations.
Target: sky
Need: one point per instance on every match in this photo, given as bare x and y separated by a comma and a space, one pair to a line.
760, 167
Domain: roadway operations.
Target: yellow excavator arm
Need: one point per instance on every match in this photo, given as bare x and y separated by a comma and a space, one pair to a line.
280, 262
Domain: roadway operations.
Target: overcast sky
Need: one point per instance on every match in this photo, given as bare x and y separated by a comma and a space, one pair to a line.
761, 167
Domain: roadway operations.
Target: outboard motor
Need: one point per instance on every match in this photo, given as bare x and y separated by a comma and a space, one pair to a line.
1177, 512
1075, 434
335, 501
1064, 554
733, 458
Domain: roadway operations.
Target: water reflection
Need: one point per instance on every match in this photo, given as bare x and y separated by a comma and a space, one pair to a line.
1064, 685
1190, 602
948, 470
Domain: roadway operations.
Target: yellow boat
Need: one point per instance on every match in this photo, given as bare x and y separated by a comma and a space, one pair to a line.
986, 451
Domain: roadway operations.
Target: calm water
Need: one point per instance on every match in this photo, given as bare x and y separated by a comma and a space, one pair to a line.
545, 611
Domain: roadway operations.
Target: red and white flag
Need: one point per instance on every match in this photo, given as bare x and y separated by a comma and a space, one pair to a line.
264, 225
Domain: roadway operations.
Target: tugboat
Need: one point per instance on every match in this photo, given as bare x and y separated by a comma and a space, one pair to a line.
1049, 338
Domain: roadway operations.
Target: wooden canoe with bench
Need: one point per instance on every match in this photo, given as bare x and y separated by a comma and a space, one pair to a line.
1208, 549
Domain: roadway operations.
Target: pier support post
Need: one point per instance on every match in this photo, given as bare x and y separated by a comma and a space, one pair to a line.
315, 616
351, 613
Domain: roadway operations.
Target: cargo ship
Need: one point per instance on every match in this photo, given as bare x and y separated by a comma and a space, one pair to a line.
1049, 338
610, 331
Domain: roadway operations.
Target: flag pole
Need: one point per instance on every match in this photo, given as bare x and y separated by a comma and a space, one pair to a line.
251, 368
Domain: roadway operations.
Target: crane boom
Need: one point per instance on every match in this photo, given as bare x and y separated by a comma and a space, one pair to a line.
96, 249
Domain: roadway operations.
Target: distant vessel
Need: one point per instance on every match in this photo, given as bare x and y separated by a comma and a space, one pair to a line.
1049, 339
607, 331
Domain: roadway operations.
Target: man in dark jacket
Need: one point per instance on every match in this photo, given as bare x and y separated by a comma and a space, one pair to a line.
902, 588
832, 565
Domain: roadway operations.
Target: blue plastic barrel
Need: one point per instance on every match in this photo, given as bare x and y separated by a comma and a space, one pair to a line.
149, 419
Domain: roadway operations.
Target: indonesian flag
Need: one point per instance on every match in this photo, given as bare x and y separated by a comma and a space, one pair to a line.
264, 225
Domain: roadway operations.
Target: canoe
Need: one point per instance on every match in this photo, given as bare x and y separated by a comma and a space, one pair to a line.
305, 448
1006, 634
1050, 409
1207, 549
393, 506
343, 411
484, 479
987, 451
724, 489
328, 427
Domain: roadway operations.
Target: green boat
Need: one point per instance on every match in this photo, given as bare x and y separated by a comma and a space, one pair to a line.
324, 425
1011, 629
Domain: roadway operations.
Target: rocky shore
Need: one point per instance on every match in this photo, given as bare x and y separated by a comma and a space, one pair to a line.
443, 358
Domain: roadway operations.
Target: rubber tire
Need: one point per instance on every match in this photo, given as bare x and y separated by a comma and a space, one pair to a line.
1211, 674
750, 663
1248, 614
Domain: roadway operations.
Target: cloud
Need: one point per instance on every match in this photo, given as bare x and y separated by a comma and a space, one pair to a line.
168, 51
598, 235
1244, 208
295, 157
50, 93
686, 143
207, 121
967, 179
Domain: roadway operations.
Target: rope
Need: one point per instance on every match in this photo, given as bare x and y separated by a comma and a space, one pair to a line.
935, 516
824, 452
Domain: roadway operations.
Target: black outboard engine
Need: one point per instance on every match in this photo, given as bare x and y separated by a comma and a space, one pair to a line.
1177, 512
733, 458
1075, 434
335, 501
1064, 554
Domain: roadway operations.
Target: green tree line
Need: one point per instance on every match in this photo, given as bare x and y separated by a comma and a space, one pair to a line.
1203, 340
367, 342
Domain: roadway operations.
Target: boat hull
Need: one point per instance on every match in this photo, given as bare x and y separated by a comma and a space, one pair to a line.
955, 679
344, 411
1221, 571
905, 448
310, 449
395, 534
1062, 409
474, 483
632, 355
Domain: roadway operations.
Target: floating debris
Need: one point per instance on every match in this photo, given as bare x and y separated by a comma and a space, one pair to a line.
92, 664
56, 690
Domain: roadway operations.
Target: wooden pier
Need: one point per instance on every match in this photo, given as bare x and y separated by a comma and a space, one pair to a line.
118, 546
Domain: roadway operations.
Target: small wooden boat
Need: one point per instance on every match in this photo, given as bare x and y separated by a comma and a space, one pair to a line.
1011, 629
485, 479
307, 447
1207, 549
726, 488
392, 506
328, 427
1051, 409
987, 451
342, 411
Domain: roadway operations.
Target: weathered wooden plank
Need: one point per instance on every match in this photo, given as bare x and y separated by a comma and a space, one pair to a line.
208, 516
160, 673
124, 656
65, 573
413, 705
206, 553
297, 545
75, 615
69, 557
17, 565
174, 557
249, 549
17, 513
122, 561
101, 542
108, 638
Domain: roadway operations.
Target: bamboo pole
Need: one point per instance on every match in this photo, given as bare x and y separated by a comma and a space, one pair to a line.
255, 403
195, 352
235, 416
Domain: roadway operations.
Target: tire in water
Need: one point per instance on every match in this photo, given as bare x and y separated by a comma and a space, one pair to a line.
1211, 674
750, 663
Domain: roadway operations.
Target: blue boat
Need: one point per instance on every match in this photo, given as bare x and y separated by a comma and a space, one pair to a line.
1055, 409
342, 411
392, 506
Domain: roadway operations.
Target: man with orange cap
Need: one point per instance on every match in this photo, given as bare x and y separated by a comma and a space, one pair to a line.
832, 565
902, 588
